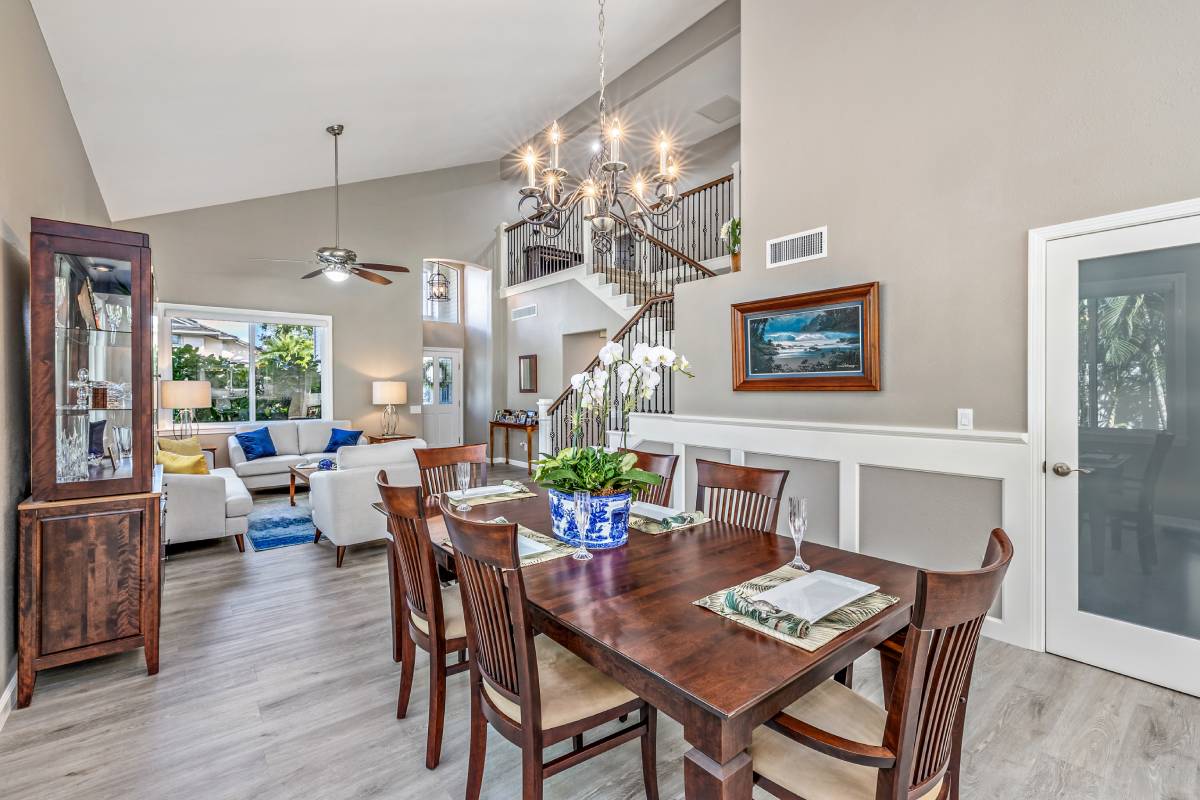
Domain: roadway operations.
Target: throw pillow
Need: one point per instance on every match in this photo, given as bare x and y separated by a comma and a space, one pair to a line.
340, 438
184, 447
256, 444
179, 464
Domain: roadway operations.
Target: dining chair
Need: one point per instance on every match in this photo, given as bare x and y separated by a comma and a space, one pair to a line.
834, 743
746, 496
1133, 504
437, 467
429, 615
531, 689
659, 464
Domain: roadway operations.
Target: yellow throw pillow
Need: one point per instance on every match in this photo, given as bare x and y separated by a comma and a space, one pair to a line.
184, 447
178, 464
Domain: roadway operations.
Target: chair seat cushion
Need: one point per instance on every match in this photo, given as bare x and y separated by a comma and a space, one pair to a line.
268, 465
452, 613
571, 688
804, 771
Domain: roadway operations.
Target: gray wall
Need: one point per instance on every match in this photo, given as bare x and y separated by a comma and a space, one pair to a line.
201, 257
562, 308
578, 350
44, 172
930, 135
712, 158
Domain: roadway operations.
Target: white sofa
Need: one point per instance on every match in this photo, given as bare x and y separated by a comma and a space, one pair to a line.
296, 442
341, 499
206, 506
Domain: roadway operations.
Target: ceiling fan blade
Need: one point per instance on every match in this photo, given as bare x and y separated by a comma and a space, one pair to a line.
371, 276
285, 260
385, 268
312, 274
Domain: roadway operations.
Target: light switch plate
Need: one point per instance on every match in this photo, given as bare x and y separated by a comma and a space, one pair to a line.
966, 419
414, 409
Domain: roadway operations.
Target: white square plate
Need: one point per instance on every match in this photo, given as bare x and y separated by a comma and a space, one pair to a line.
529, 547
651, 511
482, 491
817, 595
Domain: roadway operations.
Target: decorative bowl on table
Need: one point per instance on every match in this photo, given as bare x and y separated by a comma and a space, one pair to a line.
325, 464
608, 520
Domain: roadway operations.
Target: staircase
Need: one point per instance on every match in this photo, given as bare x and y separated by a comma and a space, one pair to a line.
637, 278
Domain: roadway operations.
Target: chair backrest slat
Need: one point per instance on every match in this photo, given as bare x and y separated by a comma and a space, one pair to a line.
437, 467
662, 465
935, 668
740, 495
499, 633
405, 508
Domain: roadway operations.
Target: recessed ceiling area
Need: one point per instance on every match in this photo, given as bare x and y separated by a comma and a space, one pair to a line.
187, 103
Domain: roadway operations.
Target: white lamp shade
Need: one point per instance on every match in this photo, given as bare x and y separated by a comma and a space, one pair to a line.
389, 393
185, 394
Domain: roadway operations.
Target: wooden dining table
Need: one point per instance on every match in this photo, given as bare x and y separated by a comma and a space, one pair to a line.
628, 612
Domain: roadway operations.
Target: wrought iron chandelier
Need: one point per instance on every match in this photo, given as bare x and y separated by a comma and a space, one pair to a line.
604, 201
438, 285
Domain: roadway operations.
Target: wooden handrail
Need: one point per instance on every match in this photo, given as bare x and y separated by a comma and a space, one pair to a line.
691, 262
616, 337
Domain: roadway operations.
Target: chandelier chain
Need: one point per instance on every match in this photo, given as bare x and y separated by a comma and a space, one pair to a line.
601, 20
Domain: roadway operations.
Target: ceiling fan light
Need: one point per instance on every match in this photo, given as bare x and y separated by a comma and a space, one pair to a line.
336, 275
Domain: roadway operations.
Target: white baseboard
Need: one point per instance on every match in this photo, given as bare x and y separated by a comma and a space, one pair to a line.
512, 462
9, 698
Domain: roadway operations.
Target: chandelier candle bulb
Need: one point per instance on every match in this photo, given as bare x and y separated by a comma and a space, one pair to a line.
614, 144
530, 168
663, 148
555, 138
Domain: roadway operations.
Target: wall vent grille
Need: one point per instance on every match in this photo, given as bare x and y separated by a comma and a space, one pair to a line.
524, 312
797, 247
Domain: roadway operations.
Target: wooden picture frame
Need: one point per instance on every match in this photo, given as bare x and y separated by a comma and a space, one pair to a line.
527, 381
810, 348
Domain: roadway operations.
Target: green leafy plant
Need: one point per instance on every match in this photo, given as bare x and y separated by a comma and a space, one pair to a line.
593, 469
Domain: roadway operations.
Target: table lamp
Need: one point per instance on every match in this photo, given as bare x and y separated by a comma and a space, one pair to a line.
389, 394
186, 396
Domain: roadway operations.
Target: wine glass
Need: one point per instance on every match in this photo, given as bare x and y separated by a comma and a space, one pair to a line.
462, 471
798, 525
583, 513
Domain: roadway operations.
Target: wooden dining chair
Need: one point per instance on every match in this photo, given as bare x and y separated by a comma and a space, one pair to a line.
531, 689
661, 465
834, 743
437, 466
746, 496
430, 616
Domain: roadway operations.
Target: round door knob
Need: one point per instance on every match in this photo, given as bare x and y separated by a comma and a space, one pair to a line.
1063, 470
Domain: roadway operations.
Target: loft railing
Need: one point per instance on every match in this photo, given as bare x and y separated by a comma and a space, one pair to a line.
654, 323
535, 252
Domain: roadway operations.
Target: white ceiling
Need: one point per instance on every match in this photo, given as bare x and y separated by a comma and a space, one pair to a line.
187, 103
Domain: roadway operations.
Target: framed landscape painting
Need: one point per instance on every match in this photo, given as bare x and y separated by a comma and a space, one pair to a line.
817, 341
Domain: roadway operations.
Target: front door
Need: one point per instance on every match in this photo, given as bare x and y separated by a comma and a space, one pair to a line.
441, 396
1122, 481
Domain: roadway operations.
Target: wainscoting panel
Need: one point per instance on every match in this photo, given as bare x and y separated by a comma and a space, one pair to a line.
688, 465
816, 480
925, 496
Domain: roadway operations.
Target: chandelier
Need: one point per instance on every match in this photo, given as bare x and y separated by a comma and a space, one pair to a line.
603, 197
438, 285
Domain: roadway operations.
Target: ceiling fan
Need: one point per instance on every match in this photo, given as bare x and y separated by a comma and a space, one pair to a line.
338, 263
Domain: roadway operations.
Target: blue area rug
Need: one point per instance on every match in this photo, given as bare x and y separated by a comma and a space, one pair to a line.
275, 523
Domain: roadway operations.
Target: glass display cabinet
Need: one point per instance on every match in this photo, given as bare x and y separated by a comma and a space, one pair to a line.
88, 555
91, 387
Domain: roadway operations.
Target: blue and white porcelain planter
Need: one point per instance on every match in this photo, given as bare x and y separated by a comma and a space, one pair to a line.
608, 526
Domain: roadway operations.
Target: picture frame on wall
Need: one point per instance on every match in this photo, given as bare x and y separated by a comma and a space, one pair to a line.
815, 341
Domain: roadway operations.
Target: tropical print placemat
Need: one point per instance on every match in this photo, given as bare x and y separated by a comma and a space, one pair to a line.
735, 603
557, 549
687, 519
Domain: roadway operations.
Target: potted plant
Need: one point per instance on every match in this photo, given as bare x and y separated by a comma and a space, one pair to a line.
611, 477
731, 234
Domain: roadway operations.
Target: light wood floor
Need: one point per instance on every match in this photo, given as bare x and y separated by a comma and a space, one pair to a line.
277, 682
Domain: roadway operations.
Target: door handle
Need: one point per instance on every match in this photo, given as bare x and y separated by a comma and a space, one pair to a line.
1063, 470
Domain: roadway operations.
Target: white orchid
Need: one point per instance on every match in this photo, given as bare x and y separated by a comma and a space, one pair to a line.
641, 354
652, 380
610, 353
625, 371
647, 393
577, 380
681, 363
661, 356
585, 401
600, 376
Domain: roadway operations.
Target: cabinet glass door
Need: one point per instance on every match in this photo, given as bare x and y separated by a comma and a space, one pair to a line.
93, 368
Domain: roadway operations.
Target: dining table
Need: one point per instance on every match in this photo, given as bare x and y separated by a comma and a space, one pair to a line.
629, 613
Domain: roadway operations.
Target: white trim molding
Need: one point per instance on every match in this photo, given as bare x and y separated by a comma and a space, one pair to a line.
1039, 241
997, 455
8, 699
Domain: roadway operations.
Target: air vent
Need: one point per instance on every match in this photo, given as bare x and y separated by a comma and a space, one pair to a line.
798, 247
524, 312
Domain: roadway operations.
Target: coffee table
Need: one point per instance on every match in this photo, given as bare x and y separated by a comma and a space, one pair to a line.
298, 474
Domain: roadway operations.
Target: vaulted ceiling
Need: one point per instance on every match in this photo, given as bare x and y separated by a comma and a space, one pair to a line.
189, 103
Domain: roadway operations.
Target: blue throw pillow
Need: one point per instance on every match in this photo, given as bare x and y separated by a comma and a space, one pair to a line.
256, 444
340, 438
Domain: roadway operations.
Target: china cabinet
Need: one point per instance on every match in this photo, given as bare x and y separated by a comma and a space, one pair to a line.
90, 542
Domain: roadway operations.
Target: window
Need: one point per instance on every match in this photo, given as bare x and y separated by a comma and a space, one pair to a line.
440, 311
261, 365
1130, 350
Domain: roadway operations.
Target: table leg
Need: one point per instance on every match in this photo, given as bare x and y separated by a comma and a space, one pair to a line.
292, 489
506, 445
491, 444
705, 779
529, 451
